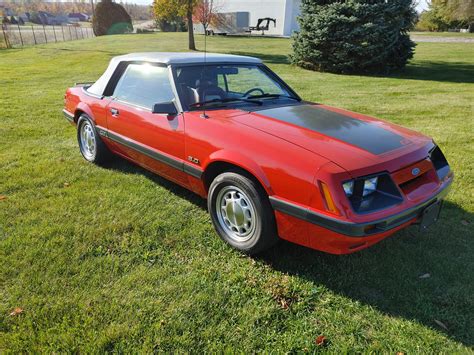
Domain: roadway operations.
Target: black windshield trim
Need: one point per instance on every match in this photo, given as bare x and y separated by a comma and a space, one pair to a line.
223, 102
273, 96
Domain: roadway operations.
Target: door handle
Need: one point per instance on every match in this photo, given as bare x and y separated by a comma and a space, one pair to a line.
114, 112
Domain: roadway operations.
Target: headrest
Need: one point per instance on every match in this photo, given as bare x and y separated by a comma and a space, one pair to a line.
204, 82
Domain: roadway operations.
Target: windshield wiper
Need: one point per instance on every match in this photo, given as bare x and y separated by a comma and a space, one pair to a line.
218, 101
278, 96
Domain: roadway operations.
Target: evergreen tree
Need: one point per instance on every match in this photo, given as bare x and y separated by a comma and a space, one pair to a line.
354, 36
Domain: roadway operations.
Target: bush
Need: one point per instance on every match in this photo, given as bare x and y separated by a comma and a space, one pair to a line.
354, 36
175, 25
111, 18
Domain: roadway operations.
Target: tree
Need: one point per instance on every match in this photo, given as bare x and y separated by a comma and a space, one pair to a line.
111, 18
444, 14
433, 20
457, 10
355, 36
206, 12
169, 9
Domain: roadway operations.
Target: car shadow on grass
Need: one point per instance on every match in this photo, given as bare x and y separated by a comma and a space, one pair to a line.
124, 166
426, 277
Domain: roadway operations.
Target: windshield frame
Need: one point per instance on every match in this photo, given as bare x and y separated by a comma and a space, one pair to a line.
231, 105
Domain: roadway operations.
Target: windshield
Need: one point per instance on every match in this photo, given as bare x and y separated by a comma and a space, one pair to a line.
220, 85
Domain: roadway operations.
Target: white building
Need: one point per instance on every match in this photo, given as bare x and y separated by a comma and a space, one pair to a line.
242, 14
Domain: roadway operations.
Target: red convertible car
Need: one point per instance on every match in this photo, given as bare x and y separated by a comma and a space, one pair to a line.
270, 164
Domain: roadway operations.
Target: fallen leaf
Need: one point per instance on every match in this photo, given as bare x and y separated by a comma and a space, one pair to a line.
464, 222
66, 184
424, 276
321, 340
16, 311
441, 324
3, 197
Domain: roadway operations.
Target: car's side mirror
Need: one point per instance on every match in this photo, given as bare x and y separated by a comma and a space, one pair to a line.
165, 108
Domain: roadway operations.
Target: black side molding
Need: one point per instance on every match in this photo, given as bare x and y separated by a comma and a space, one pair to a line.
165, 159
355, 229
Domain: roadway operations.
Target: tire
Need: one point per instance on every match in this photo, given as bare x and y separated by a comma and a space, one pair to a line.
241, 213
91, 146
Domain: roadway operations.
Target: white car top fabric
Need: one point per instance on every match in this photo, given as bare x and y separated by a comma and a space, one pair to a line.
166, 58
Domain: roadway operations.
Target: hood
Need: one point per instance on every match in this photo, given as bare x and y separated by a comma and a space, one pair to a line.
352, 141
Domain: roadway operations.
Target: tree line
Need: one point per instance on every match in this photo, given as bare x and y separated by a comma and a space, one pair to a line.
136, 12
443, 15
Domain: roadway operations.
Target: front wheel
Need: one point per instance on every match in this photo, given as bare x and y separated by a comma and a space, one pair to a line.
241, 213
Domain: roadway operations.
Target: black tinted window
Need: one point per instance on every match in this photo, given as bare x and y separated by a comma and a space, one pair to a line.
144, 85
199, 83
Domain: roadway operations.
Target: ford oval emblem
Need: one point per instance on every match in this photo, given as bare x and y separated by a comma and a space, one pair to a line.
415, 171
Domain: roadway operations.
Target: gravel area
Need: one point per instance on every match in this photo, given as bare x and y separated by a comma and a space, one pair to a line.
442, 39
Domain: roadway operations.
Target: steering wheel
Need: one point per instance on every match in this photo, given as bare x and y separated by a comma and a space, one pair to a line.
252, 90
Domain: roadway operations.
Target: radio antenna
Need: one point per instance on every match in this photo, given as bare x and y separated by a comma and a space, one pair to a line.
203, 115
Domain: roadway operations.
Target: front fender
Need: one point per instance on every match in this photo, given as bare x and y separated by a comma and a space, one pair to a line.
242, 161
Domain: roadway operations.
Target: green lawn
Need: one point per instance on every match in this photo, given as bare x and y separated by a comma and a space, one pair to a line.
117, 259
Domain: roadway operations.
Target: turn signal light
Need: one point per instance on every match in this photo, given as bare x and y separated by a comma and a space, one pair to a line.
329, 202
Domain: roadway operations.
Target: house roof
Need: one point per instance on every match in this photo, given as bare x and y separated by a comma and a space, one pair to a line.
168, 58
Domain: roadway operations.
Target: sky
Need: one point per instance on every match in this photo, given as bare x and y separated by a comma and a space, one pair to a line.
422, 4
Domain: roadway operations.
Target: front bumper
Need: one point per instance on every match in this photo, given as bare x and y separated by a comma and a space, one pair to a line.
351, 229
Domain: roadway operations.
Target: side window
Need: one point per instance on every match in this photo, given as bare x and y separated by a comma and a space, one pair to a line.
144, 85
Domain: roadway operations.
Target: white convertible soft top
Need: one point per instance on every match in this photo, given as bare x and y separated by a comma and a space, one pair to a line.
167, 58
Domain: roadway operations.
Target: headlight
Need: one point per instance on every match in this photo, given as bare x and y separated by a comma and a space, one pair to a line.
370, 186
348, 187
371, 193
440, 163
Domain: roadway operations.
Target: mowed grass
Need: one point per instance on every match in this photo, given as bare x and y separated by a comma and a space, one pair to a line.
117, 259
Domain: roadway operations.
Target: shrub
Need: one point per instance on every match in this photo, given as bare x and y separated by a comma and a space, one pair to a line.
111, 18
175, 25
354, 36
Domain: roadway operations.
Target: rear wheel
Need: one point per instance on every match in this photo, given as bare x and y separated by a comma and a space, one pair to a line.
241, 213
90, 144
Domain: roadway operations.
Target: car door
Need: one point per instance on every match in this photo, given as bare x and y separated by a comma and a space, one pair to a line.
155, 141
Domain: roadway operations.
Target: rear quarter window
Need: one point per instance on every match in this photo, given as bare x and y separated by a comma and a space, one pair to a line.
144, 85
